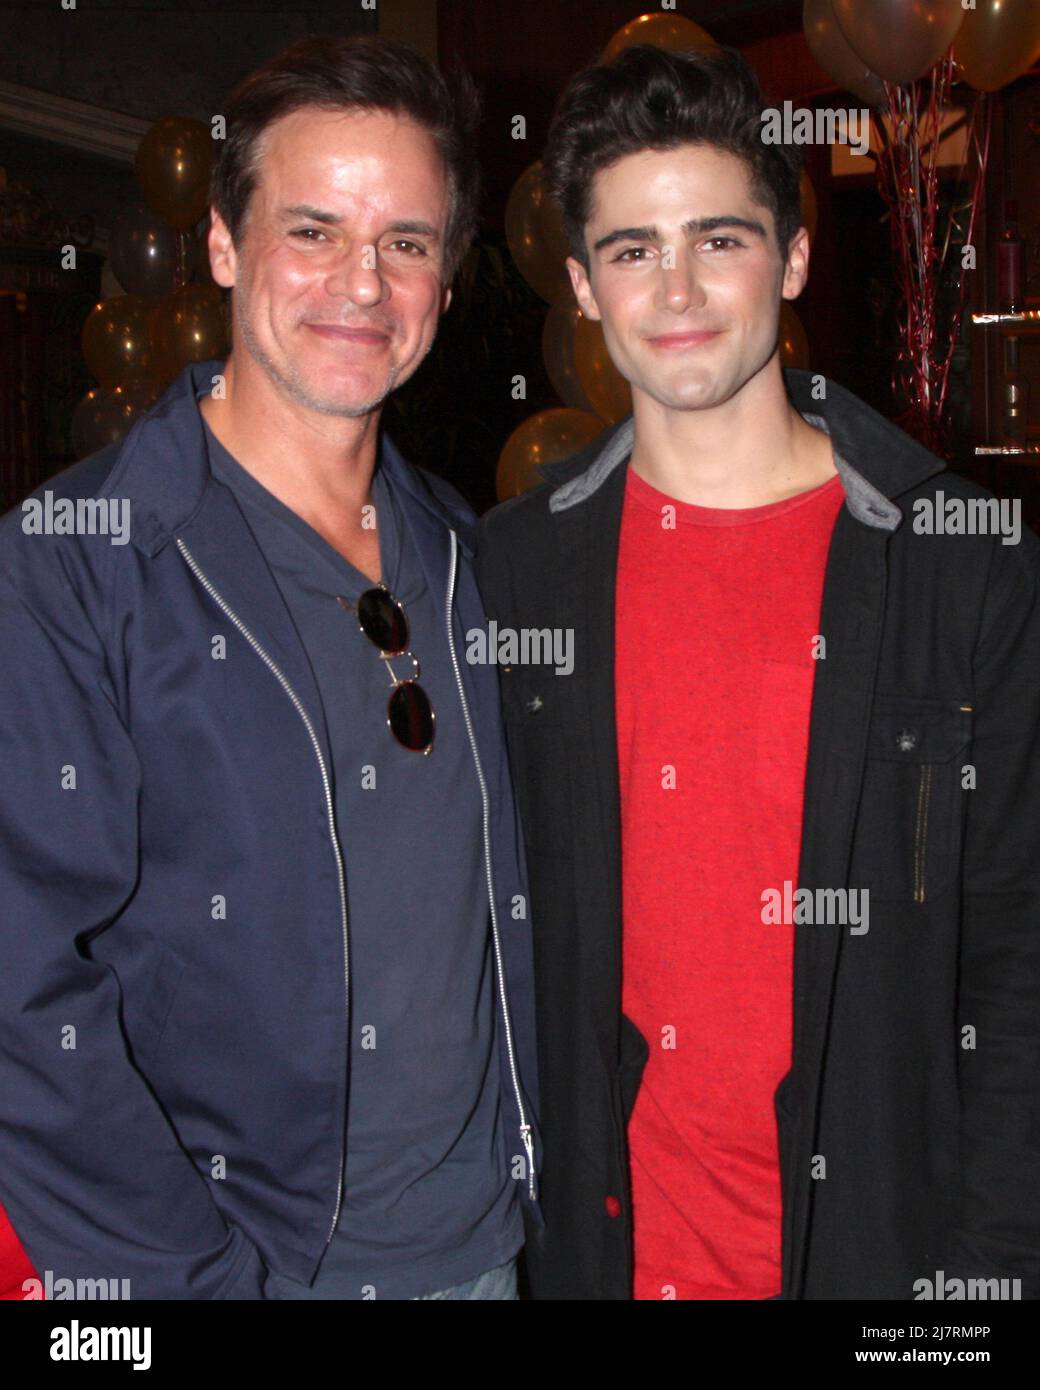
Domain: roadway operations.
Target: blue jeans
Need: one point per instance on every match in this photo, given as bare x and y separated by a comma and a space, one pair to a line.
499, 1282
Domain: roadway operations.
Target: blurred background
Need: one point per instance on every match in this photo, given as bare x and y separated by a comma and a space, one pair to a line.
105, 143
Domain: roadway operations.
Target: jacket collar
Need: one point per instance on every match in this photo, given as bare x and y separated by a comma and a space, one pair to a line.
875, 459
162, 468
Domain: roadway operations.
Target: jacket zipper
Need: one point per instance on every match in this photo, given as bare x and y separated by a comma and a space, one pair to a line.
283, 681
525, 1128
924, 793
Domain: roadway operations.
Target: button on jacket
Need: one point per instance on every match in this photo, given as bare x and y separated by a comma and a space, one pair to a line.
915, 1074
173, 1076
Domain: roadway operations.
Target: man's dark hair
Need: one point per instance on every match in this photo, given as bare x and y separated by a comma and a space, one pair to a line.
364, 72
653, 98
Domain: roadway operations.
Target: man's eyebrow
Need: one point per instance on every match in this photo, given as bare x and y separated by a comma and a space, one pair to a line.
626, 234
332, 219
696, 226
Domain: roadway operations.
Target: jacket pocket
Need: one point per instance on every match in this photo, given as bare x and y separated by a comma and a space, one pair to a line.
537, 737
909, 827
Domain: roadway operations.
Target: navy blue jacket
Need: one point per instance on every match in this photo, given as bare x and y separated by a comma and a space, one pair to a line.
175, 961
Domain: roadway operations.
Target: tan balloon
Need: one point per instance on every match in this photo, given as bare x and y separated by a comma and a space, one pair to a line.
998, 41
661, 31
188, 326
115, 339
173, 167
105, 416
558, 353
794, 345
899, 39
608, 392
547, 437
535, 235
835, 54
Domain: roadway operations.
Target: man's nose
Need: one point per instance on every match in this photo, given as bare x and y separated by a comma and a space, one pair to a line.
680, 285
357, 275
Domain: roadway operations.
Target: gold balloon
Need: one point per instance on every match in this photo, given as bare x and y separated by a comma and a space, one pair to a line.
188, 326
547, 437
105, 416
810, 211
899, 39
173, 167
835, 54
998, 41
558, 353
794, 345
115, 339
535, 236
607, 390
661, 31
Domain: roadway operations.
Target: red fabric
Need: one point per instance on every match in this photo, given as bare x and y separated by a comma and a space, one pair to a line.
715, 620
15, 1265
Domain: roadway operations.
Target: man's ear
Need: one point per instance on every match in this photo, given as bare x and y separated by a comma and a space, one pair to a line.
447, 299
796, 271
223, 262
582, 288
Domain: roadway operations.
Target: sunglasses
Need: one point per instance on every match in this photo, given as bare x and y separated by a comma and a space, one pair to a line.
409, 714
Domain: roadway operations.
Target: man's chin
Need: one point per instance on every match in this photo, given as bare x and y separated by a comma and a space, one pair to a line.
687, 395
349, 400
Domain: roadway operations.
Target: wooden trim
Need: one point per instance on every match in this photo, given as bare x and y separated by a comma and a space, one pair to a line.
75, 124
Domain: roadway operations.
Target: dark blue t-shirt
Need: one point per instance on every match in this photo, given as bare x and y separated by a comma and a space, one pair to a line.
428, 1198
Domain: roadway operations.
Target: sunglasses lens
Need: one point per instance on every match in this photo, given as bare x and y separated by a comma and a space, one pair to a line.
411, 718
383, 621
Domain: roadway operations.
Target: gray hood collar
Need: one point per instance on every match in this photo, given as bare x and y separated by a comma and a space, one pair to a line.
864, 501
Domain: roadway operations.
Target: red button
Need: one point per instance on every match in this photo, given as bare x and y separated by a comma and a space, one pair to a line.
613, 1207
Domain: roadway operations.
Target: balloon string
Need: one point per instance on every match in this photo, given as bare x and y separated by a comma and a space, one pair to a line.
179, 262
908, 182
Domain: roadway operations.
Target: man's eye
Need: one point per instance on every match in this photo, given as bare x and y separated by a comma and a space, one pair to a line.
630, 251
305, 232
413, 245
728, 240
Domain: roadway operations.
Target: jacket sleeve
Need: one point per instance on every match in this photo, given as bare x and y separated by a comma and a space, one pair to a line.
91, 1172
996, 1223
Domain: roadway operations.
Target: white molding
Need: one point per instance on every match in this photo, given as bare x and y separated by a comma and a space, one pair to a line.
75, 124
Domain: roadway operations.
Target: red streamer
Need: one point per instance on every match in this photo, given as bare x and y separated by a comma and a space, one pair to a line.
908, 181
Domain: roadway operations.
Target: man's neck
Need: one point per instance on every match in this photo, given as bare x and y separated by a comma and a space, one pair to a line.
750, 451
311, 462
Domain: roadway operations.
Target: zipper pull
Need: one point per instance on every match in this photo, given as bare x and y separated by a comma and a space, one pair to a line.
525, 1135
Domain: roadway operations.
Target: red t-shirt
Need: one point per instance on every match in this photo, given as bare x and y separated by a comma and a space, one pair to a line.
15, 1265
715, 625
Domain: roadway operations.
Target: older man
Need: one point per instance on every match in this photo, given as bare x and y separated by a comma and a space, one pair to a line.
266, 1006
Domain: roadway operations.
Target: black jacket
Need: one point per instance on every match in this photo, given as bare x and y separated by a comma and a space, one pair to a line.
916, 1046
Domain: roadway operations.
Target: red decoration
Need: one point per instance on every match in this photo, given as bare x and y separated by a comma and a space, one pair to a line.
908, 180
